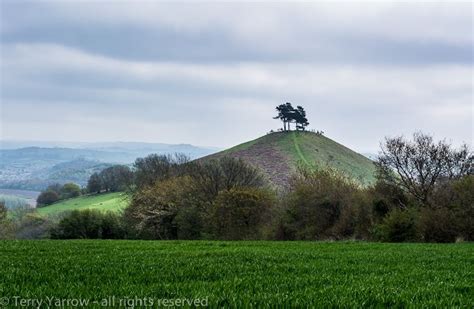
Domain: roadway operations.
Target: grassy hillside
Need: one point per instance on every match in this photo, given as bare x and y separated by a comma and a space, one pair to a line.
108, 201
241, 274
278, 155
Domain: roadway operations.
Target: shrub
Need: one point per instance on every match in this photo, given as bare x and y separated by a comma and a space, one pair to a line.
189, 222
153, 209
315, 202
94, 184
356, 218
464, 204
224, 174
70, 190
6, 230
88, 224
438, 225
239, 213
47, 198
398, 226
31, 226
452, 212
3, 211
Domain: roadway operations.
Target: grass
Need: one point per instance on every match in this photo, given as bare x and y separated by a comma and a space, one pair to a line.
106, 202
243, 274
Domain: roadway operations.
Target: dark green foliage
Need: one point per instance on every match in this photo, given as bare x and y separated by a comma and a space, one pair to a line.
88, 224
57, 192
47, 198
288, 114
115, 178
451, 215
398, 226
69, 190
315, 202
190, 222
438, 225
94, 184
239, 213
3, 211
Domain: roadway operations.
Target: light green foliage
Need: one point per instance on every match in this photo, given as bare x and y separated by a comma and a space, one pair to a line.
106, 202
243, 274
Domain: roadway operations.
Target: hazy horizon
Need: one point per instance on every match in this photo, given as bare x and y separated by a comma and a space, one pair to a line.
211, 74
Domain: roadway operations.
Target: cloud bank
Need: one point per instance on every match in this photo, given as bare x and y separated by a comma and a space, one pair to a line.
211, 74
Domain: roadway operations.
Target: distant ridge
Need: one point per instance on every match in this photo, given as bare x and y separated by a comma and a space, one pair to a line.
279, 154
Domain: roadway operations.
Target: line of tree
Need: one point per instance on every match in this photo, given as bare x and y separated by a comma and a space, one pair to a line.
288, 114
112, 179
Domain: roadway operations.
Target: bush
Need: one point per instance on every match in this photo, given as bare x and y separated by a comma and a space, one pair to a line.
224, 174
32, 226
153, 210
315, 202
463, 202
94, 184
452, 212
88, 224
5, 223
239, 213
438, 225
398, 226
70, 190
47, 198
356, 218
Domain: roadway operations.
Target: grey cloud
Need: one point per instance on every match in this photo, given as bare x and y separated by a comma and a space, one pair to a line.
212, 74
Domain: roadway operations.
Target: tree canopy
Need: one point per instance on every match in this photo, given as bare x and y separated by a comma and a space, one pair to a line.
288, 114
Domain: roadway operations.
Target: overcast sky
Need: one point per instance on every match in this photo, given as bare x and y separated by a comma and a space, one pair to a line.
211, 74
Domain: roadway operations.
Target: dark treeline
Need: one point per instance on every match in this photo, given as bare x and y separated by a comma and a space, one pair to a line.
57, 192
112, 179
424, 192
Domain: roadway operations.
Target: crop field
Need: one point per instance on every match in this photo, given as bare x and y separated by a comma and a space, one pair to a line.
343, 274
106, 202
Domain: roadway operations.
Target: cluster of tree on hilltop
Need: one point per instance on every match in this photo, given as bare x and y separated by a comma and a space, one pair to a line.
288, 114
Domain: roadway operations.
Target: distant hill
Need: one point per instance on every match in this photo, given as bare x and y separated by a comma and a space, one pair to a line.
34, 167
279, 154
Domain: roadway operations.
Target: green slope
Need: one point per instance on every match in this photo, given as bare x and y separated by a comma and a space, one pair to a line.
106, 202
279, 154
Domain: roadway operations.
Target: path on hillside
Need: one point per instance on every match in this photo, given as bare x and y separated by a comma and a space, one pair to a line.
298, 150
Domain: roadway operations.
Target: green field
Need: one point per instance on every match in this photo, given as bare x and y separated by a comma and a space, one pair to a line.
106, 202
279, 154
242, 274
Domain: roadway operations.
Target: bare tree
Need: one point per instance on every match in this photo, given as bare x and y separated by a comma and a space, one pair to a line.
417, 165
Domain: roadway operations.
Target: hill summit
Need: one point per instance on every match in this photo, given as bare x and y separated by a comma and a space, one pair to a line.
279, 154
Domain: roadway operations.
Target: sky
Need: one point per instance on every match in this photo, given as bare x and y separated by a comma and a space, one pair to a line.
211, 74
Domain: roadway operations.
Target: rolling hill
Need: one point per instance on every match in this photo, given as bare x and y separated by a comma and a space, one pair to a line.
279, 154
34, 167
106, 202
